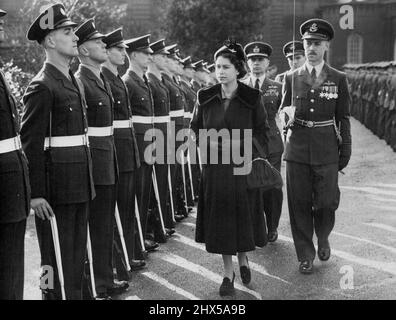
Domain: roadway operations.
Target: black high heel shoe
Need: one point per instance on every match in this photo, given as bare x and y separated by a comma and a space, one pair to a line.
227, 287
246, 275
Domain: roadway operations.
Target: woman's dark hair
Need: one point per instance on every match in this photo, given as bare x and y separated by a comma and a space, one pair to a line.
235, 53
240, 65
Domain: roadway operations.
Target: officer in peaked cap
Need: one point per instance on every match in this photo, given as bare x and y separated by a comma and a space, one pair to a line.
201, 76
318, 143
51, 18
127, 154
14, 195
177, 106
295, 55
161, 101
317, 29
92, 54
140, 44
54, 137
141, 100
87, 31
258, 55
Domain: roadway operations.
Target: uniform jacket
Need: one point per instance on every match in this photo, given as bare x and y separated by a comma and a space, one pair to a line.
272, 95
141, 100
100, 114
245, 111
14, 175
191, 98
177, 99
317, 146
55, 106
125, 140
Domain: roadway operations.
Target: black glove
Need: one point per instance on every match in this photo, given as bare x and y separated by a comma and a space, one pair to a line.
344, 156
342, 162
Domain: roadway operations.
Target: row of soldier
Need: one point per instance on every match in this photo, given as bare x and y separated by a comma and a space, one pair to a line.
83, 136
373, 90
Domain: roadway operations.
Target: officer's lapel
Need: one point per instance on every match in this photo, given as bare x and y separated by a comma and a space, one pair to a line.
94, 78
264, 86
61, 78
138, 80
304, 76
322, 76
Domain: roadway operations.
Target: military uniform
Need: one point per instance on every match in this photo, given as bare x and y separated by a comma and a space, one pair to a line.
177, 103
14, 197
127, 158
141, 101
312, 152
100, 119
289, 49
271, 92
54, 137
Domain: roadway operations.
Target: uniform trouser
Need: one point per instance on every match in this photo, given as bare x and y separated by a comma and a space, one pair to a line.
72, 228
12, 251
161, 171
143, 193
126, 208
101, 224
313, 196
272, 199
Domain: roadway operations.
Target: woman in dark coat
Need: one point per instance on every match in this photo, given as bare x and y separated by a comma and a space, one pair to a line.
230, 220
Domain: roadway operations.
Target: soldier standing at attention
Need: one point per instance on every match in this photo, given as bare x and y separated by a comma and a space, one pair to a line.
92, 53
54, 137
14, 194
141, 100
314, 151
258, 54
126, 147
294, 53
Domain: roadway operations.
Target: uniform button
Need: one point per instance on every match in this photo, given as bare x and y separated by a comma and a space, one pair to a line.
312, 91
13, 115
119, 102
312, 110
312, 100
86, 130
70, 109
100, 103
142, 98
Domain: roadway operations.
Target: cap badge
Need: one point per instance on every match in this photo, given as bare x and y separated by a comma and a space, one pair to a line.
62, 11
292, 47
256, 49
314, 27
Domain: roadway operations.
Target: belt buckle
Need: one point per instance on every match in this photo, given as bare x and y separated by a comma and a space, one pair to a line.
310, 124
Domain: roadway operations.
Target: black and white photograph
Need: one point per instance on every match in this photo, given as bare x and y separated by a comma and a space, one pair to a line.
198, 155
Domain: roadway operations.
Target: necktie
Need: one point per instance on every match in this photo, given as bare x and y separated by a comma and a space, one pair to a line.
257, 85
313, 74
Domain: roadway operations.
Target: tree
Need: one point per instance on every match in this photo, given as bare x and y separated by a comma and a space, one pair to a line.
201, 26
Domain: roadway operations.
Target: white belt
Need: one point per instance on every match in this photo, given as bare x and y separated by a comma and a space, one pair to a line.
9, 145
162, 119
143, 119
100, 131
177, 113
66, 141
122, 124
188, 115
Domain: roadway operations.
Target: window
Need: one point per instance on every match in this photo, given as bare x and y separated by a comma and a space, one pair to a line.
354, 48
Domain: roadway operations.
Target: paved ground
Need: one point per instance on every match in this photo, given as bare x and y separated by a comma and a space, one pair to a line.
362, 266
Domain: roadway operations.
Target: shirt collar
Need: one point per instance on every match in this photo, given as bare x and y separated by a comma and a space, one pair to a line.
318, 68
261, 79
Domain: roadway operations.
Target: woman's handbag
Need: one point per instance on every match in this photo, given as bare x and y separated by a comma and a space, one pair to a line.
263, 174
